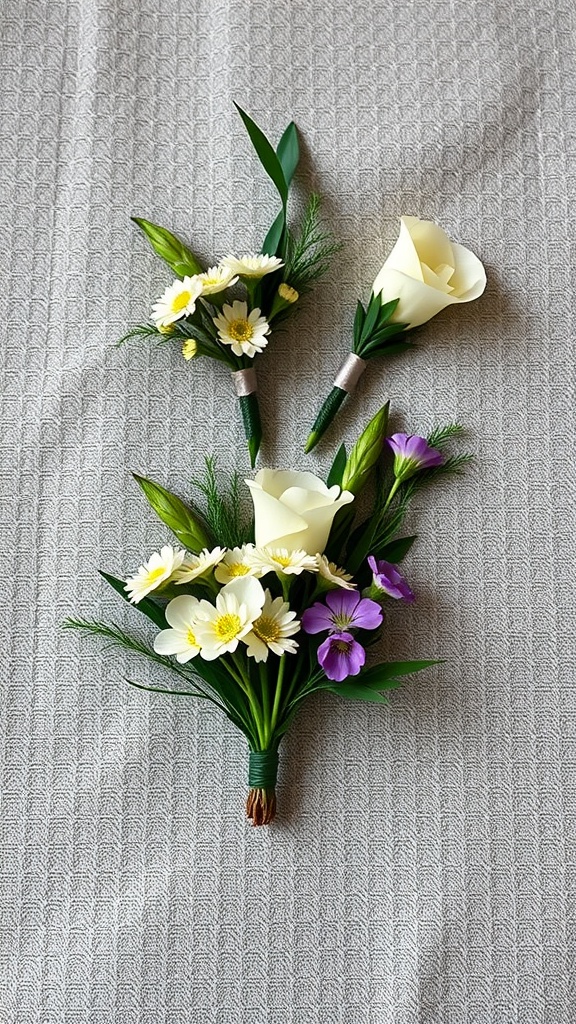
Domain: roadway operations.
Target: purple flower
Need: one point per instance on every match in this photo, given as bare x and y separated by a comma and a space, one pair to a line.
388, 579
412, 453
341, 656
344, 610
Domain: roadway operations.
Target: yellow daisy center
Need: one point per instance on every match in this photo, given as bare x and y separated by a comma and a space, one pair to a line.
267, 629
180, 301
155, 574
238, 569
191, 638
283, 560
240, 330
227, 627
209, 281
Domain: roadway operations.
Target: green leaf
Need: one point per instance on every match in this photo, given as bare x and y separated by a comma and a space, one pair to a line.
339, 534
354, 691
266, 154
337, 469
147, 606
363, 539
396, 550
366, 452
272, 242
372, 314
358, 323
386, 350
166, 245
380, 676
184, 523
160, 689
288, 152
386, 311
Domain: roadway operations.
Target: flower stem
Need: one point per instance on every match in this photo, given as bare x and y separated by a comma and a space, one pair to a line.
278, 694
393, 491
243, 681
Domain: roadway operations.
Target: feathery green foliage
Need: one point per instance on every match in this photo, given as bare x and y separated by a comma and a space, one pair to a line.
223, 510
143, 331
309, 255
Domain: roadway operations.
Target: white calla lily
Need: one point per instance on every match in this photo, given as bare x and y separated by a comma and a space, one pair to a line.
294, 510
427, 272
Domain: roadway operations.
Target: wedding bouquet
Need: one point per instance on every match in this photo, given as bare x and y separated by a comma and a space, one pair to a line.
260, 613
227, 311
254, 613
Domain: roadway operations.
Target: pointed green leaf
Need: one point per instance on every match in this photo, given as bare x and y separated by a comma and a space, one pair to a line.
358, 323
384, 349
160, 689
273, 241
184, 523
146, 605
380, 676
354, 691
166, 245
266, 154
396, 550
288, 152
386, 311
337, 470
374, 308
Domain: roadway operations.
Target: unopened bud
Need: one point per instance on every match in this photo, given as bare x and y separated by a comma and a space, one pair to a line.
190, 348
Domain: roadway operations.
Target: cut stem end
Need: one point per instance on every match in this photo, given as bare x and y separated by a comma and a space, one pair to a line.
261, 806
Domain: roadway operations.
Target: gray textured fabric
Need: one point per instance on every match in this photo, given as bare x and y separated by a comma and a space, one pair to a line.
422, 867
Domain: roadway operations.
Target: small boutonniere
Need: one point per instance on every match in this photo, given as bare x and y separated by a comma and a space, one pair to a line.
424, 273
228, 310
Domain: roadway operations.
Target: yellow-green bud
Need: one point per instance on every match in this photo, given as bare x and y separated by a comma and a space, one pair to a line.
285, 296
365, 452
190, 348
289, 294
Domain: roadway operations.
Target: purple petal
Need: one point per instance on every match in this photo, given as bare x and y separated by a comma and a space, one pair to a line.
397, 443
387, 577
342, 602
368, 614
340, 655
317, 619
413, 449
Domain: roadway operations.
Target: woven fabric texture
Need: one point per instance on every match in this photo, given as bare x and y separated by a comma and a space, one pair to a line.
421, 870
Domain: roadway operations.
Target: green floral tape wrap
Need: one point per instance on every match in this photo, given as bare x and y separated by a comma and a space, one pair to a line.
262, 769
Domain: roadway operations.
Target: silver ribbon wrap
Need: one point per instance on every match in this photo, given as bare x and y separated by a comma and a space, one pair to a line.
350, 373
245, 381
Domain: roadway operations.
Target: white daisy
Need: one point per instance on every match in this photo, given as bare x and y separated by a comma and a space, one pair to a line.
177, 301
216, 279
245, 332
237, 562
291, 563
221, 628
333, 574
197, 565
252, 266
272, 630
181, 614
159, 568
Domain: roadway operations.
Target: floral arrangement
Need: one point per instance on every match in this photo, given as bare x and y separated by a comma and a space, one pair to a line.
423, 274
259, 615
227, 311
255, 610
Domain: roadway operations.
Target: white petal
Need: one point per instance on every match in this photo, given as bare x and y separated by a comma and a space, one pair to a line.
180, 612
273, 519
